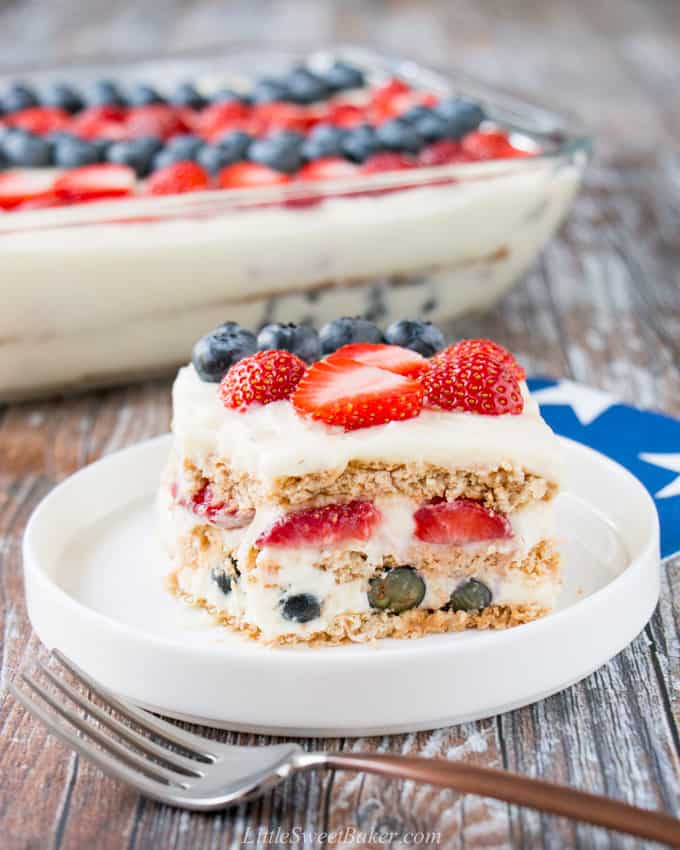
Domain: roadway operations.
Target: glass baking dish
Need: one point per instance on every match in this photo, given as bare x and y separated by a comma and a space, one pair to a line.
95, 294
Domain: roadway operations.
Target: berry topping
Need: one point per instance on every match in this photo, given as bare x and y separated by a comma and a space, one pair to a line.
445, 152
474, 383
341, 75
302, 340
186, 95
244, 175
398, 135
472, 595
105, 121
458, 522
156, 119
265, 377
215, 353
40, 119
389, 357
19, 96
104, 93
488, 348
25, 150
330, 168
423, 337
218, 513
387, 161
324, 140
325, 526
280, 151
92, 182
360, 143
342, 331
137, 153
492, 144
398, 590
235, 144
222, 580
305, 87
63, 96
351, 395
461, 115
300, 608
184, 176
268, 90
142, 94
72, 152
23, 187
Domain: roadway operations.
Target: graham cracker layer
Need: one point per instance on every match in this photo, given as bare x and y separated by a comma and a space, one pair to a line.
504, 489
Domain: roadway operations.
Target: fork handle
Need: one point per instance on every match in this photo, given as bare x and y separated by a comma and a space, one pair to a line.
514, 788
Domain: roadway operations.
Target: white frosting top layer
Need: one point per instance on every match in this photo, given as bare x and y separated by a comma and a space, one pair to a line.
270, 441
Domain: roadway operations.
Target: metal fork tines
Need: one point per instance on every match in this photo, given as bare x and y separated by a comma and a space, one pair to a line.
161, 760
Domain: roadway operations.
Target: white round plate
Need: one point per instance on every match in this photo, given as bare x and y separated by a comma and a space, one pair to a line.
94, 574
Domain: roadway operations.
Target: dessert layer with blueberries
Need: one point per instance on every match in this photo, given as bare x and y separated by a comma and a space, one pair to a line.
357, 483
64, 144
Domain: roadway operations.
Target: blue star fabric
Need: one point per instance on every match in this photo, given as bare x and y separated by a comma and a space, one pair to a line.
646, 443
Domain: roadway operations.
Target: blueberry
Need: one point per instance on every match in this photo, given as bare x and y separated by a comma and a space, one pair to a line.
73, 152
26, 150
341, 332
235, 143
168, 156
432, 127
137, 153
222, 580
343, 76
324, 140
472, 595
213, 158
462, 116
301, 608
302, 340
226, 96
398, 590
268, 89
281, 150
415, 113
142, 94
102, 146
217, 351
62, 96
186, 95
185, 144
398, 135
104, 93
360, 143
423, 337
19, 96
305, 87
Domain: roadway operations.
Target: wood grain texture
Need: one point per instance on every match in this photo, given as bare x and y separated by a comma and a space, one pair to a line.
601, 306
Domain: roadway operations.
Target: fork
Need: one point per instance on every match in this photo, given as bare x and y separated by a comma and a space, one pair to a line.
182, 769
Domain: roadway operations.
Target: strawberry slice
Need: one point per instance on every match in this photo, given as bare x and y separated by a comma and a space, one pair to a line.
267, 117
20, 187
351, 395
458, 522
216, 119
95, 182
244, 175
328, 168
99, 122
394, 358
386, 161
345, 115
444, 152
40, 119
325, 526
490, 144
215, 512
155, 119
177, 178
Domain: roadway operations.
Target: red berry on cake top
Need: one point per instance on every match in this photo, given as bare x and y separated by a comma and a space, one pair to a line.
390, 357
351, 395
488, 348
265, 377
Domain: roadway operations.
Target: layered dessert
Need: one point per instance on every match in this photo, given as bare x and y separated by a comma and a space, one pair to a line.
131, 212
353, 485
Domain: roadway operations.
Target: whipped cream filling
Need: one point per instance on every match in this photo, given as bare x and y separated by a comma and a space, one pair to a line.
271, 441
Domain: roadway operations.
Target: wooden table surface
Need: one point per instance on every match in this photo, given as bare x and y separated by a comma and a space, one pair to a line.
601, 306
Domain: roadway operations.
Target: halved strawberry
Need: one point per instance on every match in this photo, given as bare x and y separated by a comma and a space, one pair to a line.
217, 119
394, 358
489, 348
328, 168
216, 512
154, 119
267, 117
458, 522
177, 178
345, 115
94, 182
99, 122
40, 119
386, 161
490, 144
325, 526
19, 187
472, 383
351, 395
444, 152
389, 90
243, 175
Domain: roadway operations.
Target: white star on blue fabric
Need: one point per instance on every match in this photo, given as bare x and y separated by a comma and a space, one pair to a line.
670, 462
586, 402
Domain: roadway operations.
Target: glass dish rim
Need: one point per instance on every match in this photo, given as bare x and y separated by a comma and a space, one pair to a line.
570, 140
